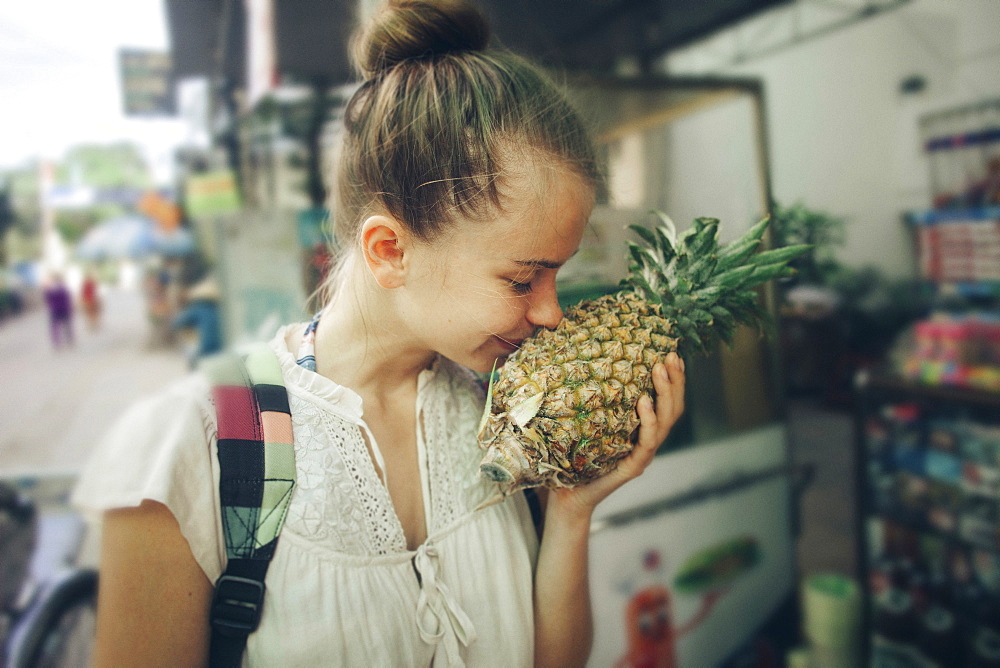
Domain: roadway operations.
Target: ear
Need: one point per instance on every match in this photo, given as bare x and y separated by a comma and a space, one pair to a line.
383, 241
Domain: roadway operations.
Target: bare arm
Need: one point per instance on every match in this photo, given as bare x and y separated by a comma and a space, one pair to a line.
563, 624
153, 597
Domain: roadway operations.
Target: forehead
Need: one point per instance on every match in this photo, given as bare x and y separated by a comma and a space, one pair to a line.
544, 214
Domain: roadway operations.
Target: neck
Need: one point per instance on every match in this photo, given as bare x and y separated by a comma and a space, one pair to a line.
361, 344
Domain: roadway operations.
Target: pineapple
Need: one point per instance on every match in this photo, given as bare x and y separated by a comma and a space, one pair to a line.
562, 410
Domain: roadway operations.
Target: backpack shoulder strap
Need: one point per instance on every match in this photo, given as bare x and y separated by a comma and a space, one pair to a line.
257, 475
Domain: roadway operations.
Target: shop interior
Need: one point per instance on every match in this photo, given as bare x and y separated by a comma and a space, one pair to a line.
832, 495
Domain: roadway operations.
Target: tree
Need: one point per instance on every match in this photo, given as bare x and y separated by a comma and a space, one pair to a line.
118, 165
7, 219
21, 189
112, 169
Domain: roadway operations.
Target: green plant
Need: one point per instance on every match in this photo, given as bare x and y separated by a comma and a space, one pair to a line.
822, 231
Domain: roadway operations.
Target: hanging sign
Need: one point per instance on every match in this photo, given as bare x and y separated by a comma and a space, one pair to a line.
147, 83
211, 194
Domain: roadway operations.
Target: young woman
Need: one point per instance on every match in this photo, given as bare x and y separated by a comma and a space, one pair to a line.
464, 182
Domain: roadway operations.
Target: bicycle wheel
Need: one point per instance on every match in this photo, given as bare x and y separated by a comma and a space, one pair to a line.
58, 630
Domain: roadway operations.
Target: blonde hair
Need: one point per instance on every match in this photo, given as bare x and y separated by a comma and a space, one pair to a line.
429, 133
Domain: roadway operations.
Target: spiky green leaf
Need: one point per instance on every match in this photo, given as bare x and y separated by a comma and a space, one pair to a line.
651, 295
705, 239
644, 233
702, 316
667, 228
734, 278
762, 274
666, 243
783, 254
708, 293
736, 252
635, 251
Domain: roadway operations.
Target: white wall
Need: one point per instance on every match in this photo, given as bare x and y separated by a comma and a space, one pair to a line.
843, 137
705, 162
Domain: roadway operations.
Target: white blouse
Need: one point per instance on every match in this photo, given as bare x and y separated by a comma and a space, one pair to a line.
342, 588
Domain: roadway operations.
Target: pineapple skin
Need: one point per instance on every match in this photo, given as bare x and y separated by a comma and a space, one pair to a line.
591, 371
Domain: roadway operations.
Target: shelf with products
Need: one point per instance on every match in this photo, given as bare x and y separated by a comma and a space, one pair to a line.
958, 246
963, 146
928, 467
946, 216
957, 240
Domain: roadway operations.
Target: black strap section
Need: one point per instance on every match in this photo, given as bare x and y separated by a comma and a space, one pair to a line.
271, 398
535, 506
236, 610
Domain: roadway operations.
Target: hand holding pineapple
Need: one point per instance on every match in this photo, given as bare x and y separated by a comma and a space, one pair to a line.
657, 412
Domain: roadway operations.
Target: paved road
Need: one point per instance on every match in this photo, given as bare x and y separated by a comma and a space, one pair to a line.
54, 405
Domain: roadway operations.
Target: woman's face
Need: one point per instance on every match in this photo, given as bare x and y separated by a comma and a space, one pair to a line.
479, 289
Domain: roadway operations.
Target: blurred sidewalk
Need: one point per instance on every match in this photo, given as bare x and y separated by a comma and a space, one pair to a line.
54, 405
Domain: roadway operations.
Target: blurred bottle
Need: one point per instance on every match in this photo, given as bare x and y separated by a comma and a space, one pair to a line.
940, 636
895, 635
984, 651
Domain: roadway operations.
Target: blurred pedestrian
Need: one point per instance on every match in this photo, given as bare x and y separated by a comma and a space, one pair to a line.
201, 314
60, 305
90, 300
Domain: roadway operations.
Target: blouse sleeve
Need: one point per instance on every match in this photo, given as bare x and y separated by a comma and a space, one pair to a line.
162, 449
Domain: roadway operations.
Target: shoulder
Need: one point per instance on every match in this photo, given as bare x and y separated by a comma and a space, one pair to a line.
161, 449
177, 422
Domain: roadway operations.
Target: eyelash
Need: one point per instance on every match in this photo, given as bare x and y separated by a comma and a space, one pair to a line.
520, 288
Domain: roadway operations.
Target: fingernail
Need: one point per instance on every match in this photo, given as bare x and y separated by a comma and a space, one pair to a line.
682, 363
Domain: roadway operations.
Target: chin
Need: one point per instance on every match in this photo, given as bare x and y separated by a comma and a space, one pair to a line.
486, 363
487, 367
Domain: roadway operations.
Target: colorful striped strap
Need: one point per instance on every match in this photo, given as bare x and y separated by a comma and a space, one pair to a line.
256, 478
256, 457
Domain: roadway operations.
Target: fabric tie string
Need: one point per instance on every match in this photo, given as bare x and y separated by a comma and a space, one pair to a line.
306, 357
439, 617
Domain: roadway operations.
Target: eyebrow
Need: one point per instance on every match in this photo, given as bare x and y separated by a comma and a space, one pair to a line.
538, 264
542, 264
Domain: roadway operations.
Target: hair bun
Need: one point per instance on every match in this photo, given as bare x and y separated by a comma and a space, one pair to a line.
406, 29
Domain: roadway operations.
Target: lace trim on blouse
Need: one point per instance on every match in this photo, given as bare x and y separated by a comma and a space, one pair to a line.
340, 501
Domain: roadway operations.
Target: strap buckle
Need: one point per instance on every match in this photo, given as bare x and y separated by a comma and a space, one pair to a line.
236, 606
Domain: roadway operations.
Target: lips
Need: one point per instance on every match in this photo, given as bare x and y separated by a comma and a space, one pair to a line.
509, 345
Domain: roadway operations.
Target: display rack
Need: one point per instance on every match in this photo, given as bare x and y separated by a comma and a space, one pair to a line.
958, 239
928, 471
928, 431
957, 250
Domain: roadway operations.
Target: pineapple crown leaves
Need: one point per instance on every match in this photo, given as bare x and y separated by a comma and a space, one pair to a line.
704, 289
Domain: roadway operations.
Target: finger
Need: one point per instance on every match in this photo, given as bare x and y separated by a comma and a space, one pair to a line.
648, 432
677, 379
664, 388
670, 389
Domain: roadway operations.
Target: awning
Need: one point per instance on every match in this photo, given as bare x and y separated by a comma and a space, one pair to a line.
208, 36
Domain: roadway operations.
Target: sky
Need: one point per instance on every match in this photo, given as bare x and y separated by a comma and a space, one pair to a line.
59, 80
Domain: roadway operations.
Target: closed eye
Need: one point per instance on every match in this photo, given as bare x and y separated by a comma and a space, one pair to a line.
520, 287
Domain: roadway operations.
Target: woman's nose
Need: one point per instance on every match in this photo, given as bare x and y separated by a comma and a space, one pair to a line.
544, 310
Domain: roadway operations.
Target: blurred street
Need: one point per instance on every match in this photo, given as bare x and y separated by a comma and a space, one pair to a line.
56, 404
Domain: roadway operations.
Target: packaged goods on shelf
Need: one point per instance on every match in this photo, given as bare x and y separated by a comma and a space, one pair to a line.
962, 350
963, 145
930, 514
956, 249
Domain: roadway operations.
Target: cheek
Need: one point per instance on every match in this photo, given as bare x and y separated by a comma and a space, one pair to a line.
481, 304
497, 317
509, 313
